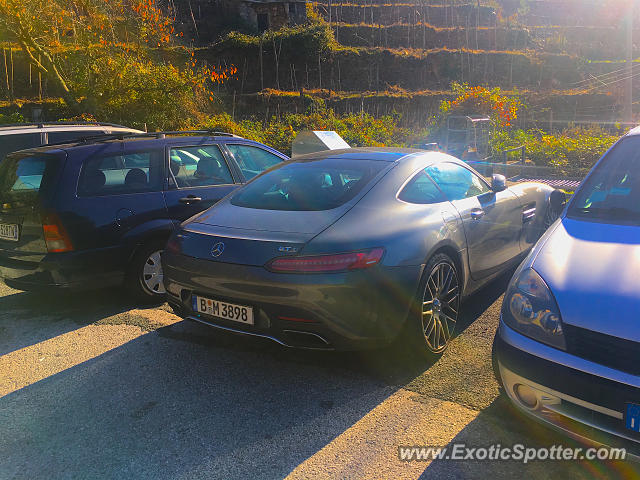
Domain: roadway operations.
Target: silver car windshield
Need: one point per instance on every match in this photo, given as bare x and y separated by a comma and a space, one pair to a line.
612, 193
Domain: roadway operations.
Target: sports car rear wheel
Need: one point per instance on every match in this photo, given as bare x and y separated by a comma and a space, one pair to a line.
439, 306
555, 205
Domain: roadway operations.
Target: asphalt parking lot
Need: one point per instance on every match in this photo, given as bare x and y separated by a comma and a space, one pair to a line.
94, 387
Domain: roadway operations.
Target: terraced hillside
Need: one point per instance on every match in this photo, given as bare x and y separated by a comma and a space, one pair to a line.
381, 56
403, 56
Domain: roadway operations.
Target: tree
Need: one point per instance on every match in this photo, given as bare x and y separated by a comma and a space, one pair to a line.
77, 44
501, 108
45, 28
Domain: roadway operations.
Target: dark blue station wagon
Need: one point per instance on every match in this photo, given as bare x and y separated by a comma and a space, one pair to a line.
98, 212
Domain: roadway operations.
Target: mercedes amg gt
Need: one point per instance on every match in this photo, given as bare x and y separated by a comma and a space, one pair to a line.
350, 248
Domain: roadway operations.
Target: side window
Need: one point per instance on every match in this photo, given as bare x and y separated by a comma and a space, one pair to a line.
199, 166
253, 160
421, 189
18, 141
118, 174
456, 181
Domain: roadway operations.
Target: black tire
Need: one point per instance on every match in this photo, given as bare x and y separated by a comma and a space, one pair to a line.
428, 331
138, 280
552, 213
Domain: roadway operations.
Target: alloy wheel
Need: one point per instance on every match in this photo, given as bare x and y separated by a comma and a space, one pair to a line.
440, 306
152, 277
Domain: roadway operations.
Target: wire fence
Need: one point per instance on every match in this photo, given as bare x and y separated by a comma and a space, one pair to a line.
522, 172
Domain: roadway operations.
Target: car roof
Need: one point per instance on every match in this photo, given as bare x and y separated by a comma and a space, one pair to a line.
385, 154
149, 140
142, 141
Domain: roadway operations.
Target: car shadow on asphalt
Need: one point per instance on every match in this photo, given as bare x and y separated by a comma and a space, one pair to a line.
159, 408
393, 364
502, 425
44, 316
28, 318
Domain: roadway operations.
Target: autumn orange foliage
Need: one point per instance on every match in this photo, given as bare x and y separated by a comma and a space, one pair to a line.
501, 108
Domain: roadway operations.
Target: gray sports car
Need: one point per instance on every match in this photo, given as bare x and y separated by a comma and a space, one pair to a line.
350, 248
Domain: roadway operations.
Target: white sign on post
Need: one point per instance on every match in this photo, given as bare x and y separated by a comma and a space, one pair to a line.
317, 141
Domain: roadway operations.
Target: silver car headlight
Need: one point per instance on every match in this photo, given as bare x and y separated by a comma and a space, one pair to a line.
529, 308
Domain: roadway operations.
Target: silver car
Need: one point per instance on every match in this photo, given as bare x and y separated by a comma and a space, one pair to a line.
348, 248
568, 344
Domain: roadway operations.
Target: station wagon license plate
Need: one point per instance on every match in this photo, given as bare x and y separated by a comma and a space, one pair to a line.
227, 311
9, 231
632, 417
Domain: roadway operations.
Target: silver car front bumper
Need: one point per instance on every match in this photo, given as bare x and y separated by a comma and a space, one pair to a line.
565, 409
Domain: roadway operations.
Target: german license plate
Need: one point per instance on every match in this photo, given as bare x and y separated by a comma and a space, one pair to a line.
632, 417
227, 311
9, 231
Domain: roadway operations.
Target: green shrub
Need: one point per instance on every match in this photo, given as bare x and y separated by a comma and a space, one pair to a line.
356, 129
13, 117
572, 152
293, 43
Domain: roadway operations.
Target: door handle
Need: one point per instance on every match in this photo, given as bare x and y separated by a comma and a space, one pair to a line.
190, 199
477, 213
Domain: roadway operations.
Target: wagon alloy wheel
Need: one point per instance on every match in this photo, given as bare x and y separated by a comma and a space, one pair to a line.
440, 306
152, 277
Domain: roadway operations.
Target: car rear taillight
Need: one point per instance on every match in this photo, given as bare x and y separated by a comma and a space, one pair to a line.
327, 263
55, 236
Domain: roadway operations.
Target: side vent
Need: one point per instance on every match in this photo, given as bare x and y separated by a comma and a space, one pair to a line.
529, 213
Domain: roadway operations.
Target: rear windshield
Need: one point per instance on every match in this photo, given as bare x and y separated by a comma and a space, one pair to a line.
308, 185
21, 174
612, 193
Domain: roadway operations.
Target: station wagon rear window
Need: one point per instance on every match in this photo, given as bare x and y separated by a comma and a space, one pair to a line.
122, 174
308, 185
21, 174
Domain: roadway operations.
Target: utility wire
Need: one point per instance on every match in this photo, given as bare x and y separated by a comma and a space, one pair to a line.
604, 76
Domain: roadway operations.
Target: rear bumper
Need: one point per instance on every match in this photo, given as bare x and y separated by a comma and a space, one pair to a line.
342, 311
579, 398
84, 269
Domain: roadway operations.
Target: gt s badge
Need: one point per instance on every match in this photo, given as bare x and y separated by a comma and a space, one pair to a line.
288, 249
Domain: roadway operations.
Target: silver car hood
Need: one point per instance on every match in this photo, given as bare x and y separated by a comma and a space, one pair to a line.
593, 270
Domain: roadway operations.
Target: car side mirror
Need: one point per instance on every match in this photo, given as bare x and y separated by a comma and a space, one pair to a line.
557, 200
498, 183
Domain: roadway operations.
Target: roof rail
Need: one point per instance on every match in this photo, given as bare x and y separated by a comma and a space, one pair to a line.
127, 135
168, 133
46, 124
200, 132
